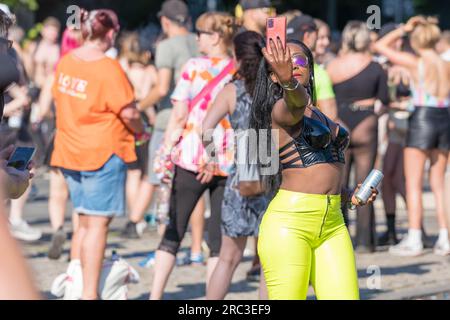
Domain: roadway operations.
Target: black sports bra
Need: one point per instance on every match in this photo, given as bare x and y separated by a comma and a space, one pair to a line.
315, 145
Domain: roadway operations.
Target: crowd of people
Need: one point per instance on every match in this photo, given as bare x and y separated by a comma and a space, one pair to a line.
122, 119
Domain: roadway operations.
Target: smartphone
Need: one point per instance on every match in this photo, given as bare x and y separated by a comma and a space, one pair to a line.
276, 28
21, 157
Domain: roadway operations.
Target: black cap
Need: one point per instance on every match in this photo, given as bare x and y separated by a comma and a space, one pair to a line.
255, 4
301, 24
175, 10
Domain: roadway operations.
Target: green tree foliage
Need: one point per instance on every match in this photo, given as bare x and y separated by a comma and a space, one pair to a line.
29, 4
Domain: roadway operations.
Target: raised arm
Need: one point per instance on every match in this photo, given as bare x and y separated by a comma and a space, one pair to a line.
384, 45
291, 108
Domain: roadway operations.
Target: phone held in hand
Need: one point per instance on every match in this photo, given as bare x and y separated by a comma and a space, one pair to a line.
275, 28
21, 157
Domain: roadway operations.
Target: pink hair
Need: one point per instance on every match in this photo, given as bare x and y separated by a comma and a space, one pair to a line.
69, 42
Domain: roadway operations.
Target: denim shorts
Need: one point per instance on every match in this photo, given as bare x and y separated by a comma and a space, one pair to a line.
100, 192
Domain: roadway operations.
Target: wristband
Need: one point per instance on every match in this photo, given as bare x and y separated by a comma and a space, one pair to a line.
291, 86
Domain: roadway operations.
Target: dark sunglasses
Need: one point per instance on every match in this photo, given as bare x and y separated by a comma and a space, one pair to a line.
200, 32
9, 43
300, 60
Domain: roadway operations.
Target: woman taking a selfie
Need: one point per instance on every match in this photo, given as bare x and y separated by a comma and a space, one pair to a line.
303, 237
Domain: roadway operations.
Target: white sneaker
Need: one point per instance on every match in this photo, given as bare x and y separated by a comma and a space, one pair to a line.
407, 248
21, 230
140, 227
442, 248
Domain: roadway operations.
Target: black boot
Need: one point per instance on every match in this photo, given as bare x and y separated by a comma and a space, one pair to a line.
390, 236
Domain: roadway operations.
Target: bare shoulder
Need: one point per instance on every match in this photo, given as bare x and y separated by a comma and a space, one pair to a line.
333, 67
229, 88
228, 94
151, 69
151, 72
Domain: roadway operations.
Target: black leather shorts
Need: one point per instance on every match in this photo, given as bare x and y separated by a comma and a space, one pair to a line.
429, 128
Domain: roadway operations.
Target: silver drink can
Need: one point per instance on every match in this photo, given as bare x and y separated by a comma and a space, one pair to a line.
372, 181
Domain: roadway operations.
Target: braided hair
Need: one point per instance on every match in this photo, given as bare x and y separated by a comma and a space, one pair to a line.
265, 95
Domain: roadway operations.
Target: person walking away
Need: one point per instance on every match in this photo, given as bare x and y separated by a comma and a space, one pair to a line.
95, 120
135, 60
254, 18
241, 215
171, 55
58, 192
200, 82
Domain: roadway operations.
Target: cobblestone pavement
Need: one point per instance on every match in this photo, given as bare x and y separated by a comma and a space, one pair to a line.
427, 276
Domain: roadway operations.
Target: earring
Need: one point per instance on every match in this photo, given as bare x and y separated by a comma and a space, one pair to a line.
271, 86
278, 91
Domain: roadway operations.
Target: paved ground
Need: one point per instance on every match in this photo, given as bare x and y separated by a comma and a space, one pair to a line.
425, 277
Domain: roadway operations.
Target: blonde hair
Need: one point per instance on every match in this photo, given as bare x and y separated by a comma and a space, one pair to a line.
355, 37
321, 24
426, 34
222, 23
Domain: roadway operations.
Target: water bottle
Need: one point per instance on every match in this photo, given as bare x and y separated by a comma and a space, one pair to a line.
162, 205
372, 181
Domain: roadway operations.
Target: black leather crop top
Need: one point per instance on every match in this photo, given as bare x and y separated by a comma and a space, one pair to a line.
315, 145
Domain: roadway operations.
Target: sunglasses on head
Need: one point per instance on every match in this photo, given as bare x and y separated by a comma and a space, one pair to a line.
8, 43
300, 60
